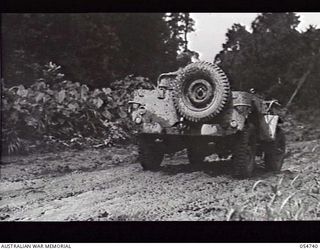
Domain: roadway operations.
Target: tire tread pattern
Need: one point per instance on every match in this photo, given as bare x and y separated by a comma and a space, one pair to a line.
222, 87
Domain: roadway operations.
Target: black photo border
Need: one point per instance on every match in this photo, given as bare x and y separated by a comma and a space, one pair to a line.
301, 231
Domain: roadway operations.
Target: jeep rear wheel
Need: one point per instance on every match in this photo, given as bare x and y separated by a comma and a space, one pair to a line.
195, 155
274, 152
150, 155
244, 152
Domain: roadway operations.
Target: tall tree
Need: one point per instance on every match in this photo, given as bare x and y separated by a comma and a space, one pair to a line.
180, 24
233, 57
274, 58
92, 48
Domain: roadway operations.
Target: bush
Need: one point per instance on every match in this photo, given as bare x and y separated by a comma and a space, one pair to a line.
59, 110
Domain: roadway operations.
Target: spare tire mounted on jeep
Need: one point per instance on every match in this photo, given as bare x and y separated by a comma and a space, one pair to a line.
201, 91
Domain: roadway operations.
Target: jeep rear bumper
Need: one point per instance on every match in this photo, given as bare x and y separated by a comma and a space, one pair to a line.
202, 130
170, 143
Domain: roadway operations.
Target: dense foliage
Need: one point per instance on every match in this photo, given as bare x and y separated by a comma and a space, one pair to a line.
92, 48
56, 110
105, 52
274, 58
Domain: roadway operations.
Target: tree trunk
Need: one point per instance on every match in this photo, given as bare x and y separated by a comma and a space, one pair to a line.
186, 31
301, 81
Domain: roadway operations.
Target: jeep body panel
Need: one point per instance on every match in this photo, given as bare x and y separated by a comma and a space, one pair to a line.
194, 109
154, 110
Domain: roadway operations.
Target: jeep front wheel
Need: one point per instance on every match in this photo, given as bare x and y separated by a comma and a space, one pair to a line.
244, 152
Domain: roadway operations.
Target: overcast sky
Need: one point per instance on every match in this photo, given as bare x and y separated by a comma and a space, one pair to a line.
212, 27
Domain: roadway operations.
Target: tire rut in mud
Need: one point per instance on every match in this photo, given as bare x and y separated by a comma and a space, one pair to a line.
106, 185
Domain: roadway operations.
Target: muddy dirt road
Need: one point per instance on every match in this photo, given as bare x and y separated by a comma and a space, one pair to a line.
108, 184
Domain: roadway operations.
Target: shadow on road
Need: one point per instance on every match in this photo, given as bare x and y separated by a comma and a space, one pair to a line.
215, 168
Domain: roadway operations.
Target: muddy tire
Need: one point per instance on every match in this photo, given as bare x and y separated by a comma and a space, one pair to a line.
150, 155
201, 91
274, 152
244, 152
